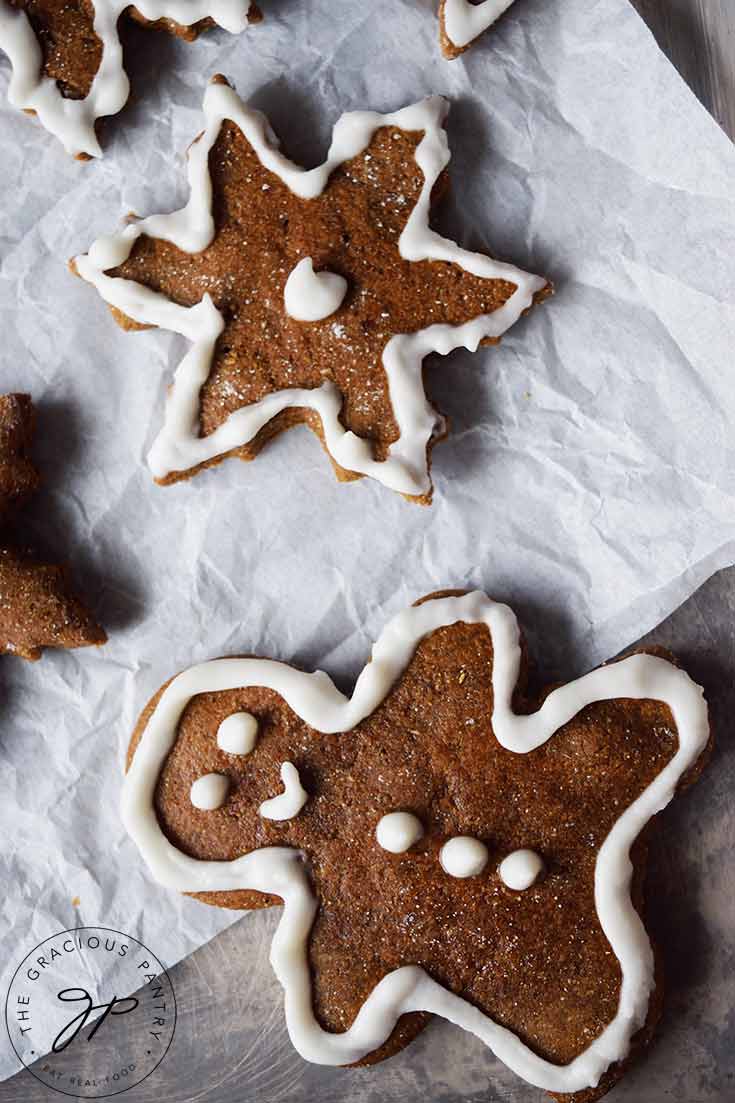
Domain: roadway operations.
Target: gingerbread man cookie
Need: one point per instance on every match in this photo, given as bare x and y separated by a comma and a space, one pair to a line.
67, 59
440, 843
38, 607
462, 21
308, 296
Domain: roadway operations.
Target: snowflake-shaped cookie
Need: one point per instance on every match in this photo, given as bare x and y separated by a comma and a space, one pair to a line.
308, 296
38, 606
462, 21
67, 59
440, 843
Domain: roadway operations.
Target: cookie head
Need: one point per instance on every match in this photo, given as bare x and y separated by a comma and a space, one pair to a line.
309, 296
443, 846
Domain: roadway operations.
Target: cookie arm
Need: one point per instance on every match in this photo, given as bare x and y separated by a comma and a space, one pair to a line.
38, 608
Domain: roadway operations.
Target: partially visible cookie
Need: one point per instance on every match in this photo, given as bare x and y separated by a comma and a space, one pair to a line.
67, 59
442, 843
309, 296
462, 21
38, 605
18, 477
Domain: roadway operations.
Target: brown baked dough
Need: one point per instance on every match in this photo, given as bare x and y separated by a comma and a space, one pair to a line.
262, 230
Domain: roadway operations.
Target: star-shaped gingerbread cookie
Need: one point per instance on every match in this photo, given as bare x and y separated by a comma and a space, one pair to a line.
38, 606
67, 59
308, 296
462, 21
440, 842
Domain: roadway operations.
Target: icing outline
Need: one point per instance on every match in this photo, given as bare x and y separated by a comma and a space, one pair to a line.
73, 121
280, 870
178, 446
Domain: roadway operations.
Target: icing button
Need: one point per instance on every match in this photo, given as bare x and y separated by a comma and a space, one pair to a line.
398, 831
520, 870
209, 792
463, 856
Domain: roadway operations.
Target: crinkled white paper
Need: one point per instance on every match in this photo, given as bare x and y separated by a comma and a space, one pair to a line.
589, 478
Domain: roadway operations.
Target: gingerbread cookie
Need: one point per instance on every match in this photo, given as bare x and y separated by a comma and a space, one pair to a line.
440, 843
38, 607
462, 21
67, 59
308, 296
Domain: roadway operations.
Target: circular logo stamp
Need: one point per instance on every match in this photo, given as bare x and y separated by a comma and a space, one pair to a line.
90, 1012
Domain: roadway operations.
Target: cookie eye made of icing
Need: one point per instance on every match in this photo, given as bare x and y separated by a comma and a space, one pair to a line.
209, 792
463, 856
398, 831
521, 869
288, 803
237, 734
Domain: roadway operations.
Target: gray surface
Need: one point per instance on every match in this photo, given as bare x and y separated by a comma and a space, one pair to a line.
230, 1041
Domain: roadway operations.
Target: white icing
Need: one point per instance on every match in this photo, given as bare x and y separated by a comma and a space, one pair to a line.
72, 121
311, 296
209, 792
463, 856
398, 831
464, 21
521, 869
288, 803
179, 446
237, 734
280, 871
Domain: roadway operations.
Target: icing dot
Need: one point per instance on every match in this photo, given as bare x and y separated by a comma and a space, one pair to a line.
209, 792
312, 296
288, 803
463, 856
521, 869
398, 831
237, 733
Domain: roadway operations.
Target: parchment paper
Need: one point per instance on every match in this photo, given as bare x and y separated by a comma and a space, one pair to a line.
588, 478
